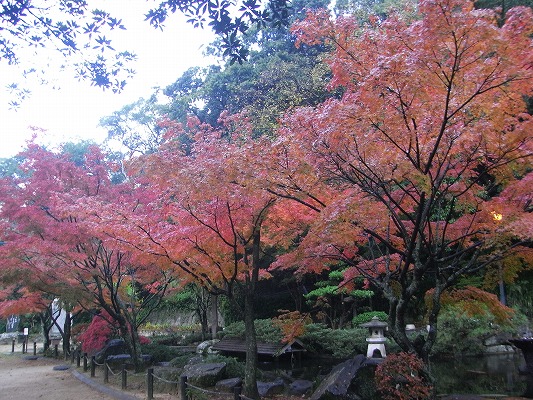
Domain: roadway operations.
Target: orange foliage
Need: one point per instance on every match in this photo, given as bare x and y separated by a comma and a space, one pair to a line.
474, 301
428, 103
292, 324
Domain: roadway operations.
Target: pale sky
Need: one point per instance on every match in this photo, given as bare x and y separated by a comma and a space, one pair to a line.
73, 112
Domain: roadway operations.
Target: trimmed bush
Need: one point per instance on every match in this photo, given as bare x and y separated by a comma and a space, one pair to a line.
462, 334
265, 329
337, 343
367, 317
234, 367
161, 352
181, 360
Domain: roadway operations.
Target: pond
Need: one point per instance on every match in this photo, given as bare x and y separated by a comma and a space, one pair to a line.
491, 374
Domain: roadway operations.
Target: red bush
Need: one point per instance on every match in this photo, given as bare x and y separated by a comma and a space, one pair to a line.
144, 340
99, 331
399, 378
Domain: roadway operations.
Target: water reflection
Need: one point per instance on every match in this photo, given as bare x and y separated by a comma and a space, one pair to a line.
493, 374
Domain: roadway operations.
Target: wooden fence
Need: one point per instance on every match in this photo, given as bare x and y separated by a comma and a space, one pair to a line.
186, 390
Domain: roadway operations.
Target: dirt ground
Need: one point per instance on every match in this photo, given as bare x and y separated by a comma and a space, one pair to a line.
36, 379
23, 378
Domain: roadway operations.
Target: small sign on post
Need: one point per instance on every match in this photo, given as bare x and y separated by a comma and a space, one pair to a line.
25, 340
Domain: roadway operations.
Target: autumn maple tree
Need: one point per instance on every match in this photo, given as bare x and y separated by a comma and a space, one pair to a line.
54, 241
426, 155
212, 218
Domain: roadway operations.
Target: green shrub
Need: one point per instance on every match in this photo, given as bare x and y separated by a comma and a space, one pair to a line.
462, 334
191, 338
265, 330
338, 343
160, 352
181, 360
234, 367
367, 317
167, 340
177, 339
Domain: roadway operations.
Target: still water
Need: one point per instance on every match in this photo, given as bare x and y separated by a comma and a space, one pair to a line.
491, 374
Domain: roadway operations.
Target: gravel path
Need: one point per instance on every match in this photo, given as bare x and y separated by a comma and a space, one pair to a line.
25, 377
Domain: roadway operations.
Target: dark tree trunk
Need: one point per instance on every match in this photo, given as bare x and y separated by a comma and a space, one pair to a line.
250, 374
214, 316
45, 328
131, 339
67, 333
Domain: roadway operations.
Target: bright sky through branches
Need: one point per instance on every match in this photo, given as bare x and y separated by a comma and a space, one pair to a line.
73, 112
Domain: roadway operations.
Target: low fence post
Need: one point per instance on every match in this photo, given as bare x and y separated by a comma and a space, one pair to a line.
124, 377
72, 355
78, 359
34, 348
85, 368
237, 392
150, 384
106, 372
183, 387
56, 350
13, 345
93, 366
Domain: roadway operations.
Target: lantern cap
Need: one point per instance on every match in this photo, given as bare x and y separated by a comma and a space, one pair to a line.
375, 323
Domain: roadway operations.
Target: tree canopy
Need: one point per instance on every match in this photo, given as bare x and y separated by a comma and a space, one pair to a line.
432, 116
403, 168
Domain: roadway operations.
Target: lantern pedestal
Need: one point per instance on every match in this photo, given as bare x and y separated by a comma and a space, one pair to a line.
374, 346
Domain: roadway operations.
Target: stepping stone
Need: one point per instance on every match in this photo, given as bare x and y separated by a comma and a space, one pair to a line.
61, 367
31, 358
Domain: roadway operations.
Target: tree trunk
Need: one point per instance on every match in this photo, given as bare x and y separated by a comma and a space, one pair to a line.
67, 332
45, 328
250, 373
130, 335
201, 297
214, 316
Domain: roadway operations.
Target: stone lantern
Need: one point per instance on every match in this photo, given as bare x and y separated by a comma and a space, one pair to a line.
376, 341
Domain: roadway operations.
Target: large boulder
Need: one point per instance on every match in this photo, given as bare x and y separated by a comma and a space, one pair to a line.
269, 389
205, 347
204, 375
335, 386
228, 385
300, 387
112, 348
498, 344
